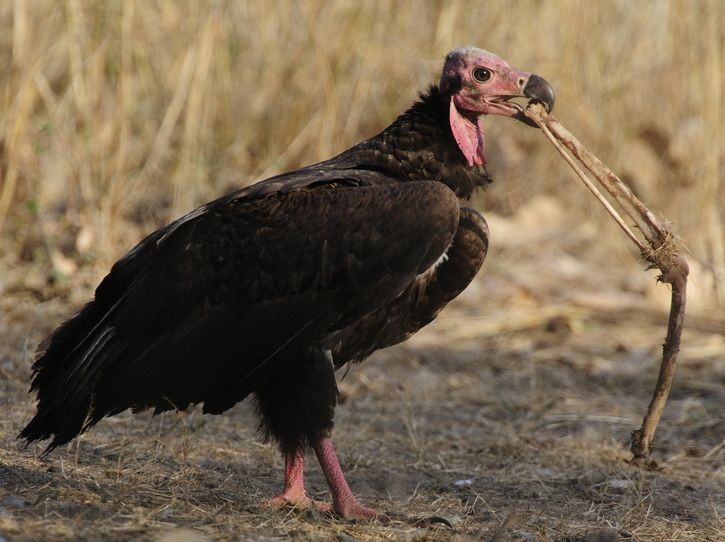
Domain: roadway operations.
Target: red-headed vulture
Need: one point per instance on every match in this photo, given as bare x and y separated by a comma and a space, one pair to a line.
270, 289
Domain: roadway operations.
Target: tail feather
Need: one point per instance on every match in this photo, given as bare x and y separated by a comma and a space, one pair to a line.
75, 358
69, 364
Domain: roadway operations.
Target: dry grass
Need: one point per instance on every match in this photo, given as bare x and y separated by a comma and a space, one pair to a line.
118, 116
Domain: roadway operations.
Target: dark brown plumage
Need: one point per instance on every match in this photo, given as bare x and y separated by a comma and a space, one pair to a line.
269, 289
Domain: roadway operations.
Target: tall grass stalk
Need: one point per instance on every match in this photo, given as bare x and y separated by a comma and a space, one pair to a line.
118, 116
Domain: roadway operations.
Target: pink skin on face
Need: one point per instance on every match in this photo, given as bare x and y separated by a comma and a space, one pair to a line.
485, 83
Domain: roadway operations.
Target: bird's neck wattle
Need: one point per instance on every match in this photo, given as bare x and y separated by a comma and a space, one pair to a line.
468, 133
418, 146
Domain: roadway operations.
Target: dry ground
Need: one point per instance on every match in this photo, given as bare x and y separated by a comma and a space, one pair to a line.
509, 417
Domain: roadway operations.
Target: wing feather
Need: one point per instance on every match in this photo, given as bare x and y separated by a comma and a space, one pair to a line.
216, 303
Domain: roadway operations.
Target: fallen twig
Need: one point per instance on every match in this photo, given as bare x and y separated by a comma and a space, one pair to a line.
659, 250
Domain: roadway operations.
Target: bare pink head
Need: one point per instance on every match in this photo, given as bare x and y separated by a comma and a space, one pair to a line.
481, 83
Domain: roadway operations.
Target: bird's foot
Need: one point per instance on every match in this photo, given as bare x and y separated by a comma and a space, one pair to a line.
353, 509
294, 494
297, 500
345, 504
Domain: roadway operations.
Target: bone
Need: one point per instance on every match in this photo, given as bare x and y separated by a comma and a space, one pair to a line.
658, 249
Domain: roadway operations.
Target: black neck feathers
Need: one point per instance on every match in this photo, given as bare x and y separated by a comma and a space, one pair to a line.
417, 146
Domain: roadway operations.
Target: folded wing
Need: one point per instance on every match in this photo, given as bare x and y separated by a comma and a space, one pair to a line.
218, 302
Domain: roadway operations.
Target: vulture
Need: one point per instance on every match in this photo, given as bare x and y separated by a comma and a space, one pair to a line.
272, 288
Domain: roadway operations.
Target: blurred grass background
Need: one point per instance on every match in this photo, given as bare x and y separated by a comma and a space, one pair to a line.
118, 116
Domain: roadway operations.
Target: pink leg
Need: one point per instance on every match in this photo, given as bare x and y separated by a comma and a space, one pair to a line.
344, 502
294, 493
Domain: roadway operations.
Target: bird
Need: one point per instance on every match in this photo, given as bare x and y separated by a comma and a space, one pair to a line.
268, 290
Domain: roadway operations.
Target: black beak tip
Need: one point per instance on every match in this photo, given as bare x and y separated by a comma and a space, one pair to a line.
538, 89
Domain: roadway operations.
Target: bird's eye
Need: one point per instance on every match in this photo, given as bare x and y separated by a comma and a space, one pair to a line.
481, 75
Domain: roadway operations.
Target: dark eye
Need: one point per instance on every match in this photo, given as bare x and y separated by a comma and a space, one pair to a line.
481, 75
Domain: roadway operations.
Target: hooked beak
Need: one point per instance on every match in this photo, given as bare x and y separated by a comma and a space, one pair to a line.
520, 85
538, 90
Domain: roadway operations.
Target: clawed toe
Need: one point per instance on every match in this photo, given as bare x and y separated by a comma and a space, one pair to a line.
356, 511
297, 502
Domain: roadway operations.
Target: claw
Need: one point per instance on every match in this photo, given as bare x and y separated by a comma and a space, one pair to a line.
356, 511
297, 502
294, 494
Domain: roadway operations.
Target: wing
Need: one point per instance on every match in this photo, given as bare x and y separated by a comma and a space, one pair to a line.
421, 301
216, 303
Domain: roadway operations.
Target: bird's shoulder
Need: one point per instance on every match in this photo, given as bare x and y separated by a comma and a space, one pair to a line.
255, 200
292, 233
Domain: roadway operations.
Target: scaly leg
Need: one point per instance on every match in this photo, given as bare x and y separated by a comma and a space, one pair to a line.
344, 502
294, 493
